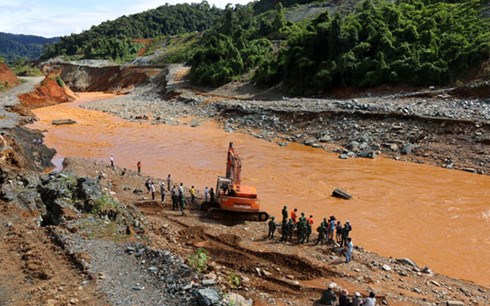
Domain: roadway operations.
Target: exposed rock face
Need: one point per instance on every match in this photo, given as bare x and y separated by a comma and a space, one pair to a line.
117, 79
52, 90
7, 76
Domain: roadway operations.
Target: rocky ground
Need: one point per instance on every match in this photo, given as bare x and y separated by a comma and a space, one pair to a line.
71, 238
132, 250
449, 128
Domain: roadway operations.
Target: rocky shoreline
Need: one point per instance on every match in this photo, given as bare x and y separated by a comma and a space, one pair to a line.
434, 127
116, 247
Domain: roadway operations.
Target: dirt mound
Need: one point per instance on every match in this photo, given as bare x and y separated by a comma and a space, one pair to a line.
193, 234
229, 239
52, 90
7, 76
117, 79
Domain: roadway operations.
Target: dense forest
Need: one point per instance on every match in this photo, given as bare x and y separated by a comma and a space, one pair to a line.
373, 42
116, 39
418, 42
15, 46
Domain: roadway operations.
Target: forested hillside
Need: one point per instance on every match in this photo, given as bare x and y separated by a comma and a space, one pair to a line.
417, 42
14, 46
116, 39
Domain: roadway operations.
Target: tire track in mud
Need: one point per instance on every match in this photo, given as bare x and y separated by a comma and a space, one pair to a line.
290, 270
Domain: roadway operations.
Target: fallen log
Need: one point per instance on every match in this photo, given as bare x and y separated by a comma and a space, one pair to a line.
339, 193
63, 121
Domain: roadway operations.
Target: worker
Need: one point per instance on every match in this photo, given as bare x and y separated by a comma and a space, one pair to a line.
206, 194
338, 232
152, 189
325, 223
344, 298
331, 228
175, 198
301, 227
192, 191
290, 229
112, 160
322, 231
309, 224
310, 220
328, 296
284, 213
148, 184
183, 202
138, 166
211, 195
371, 300
349, 248
293, 215
302, 217
284, 231
345, 233
357, 299
162, 191
272, 228
169, 182
181, 190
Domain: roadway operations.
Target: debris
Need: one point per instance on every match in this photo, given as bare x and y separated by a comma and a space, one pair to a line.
63, 121
454, 303
339, 193
406, 261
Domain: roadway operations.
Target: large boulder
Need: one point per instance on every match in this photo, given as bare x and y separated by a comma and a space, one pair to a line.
208, 297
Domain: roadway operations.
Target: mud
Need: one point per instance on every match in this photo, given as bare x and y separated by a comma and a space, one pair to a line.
271, 272
398, 209
7, 76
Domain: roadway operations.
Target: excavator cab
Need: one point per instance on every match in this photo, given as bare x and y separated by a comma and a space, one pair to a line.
224, 185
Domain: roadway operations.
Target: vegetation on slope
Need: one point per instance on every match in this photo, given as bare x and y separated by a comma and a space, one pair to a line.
14, 46
116, 39
418, 42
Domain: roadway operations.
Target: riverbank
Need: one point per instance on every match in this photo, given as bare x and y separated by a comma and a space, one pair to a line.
270, 272
415, 202
271, 281
441, 128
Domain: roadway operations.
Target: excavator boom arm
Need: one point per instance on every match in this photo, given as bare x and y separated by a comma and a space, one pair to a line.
233, 166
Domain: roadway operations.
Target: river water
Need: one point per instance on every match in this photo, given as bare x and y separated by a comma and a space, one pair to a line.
435, 216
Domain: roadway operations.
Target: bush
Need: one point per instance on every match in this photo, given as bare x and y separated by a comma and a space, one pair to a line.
106, 206
60, 82
234, 280
199, 260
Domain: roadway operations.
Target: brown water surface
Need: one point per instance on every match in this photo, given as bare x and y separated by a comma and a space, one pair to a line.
437, 217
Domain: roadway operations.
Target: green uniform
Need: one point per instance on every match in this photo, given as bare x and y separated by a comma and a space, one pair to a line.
284, 214
272, 228
284, 230
308, 231
301, 230
322, 231
182, 205
290, 227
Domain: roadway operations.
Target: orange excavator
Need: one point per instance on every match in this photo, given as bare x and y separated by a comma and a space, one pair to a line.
234, 201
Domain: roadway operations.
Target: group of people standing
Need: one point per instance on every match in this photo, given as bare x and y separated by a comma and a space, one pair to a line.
329, 298
178, 198
328, 231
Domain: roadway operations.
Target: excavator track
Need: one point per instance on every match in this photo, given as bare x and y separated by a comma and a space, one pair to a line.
214, 212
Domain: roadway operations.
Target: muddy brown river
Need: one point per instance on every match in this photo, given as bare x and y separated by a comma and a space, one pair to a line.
437, 217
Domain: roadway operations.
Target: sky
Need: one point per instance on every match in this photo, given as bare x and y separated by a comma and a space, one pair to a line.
50, 18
